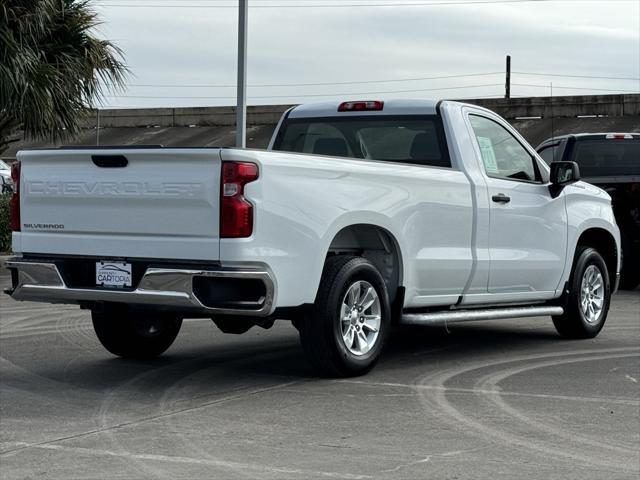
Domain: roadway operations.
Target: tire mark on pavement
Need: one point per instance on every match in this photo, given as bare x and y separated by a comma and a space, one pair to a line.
501, 434
235, 466
171, 376
505, 393
491, 383
149, 418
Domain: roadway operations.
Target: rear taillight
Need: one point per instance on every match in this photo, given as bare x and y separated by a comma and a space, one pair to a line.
14, 201
619, 136
236, 212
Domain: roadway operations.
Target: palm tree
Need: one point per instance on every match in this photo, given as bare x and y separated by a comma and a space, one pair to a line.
52, 67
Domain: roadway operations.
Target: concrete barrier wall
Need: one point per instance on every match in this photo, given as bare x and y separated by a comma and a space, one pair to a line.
543, 107
564, 107
184, 117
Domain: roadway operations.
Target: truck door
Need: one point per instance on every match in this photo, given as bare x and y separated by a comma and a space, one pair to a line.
528, 228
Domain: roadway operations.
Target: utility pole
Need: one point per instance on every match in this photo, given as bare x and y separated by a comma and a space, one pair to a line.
241, 107
553, 133
507, 85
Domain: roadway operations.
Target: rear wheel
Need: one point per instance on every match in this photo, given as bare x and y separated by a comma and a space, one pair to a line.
135, 334
345, 331
588, 301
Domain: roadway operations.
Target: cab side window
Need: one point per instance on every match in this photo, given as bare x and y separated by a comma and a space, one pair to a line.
503, 156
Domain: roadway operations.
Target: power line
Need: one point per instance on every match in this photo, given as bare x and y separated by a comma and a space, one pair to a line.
576, 76
312, 94
357, 82
342, 94
577, 88
301, 3
318, 83
380, 2
346, 5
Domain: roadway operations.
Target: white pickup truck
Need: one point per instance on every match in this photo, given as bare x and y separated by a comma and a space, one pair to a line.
360, 215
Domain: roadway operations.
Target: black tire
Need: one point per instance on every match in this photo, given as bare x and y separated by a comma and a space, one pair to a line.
574, 323
135, 334
321, 329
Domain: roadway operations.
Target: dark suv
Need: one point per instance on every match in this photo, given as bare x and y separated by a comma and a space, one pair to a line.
610, 161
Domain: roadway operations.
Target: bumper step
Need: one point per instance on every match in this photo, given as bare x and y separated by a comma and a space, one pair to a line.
161, 287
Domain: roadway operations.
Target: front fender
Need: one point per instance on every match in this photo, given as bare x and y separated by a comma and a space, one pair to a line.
588, 208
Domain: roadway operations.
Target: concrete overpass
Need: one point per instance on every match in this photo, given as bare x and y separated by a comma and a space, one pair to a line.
214, 126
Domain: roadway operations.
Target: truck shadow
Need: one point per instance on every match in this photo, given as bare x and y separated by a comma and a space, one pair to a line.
251, 361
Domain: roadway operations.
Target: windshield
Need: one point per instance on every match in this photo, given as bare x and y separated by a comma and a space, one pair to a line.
410, 139
608, 158
4, 166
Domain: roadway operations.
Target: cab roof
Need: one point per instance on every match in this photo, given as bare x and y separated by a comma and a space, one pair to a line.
391, 107
591, 136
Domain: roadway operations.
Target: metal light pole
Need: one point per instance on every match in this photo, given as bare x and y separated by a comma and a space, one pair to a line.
97, 127
241, 108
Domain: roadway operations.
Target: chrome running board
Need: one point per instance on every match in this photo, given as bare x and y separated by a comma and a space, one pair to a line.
455, 316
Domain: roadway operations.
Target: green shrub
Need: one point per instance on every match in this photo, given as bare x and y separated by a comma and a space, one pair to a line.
5, 231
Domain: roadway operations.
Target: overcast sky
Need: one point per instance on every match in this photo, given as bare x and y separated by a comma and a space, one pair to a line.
183, 52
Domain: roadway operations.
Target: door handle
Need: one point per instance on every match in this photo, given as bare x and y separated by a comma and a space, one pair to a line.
501, 198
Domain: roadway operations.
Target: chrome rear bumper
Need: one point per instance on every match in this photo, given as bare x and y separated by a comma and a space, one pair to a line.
168, 288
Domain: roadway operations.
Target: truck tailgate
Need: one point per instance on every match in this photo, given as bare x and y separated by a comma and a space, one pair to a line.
142, 203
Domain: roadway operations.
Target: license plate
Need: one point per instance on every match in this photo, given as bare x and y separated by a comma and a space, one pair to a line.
113, 274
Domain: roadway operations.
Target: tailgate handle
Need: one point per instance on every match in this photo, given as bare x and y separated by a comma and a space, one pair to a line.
110, 161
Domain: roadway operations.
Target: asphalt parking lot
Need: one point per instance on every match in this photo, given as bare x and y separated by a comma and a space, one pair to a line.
504, 399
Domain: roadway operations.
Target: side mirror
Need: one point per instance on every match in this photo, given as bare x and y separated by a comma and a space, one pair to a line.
564, 173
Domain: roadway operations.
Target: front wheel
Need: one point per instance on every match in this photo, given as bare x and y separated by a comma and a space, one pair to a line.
135, 334
589, 297
344, 332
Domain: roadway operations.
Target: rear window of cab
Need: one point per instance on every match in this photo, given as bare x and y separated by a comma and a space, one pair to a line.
408, 139
607, 157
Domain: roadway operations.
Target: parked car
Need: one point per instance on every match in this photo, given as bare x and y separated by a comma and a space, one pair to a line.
5, 171
6, 186
610, 161
360, 214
